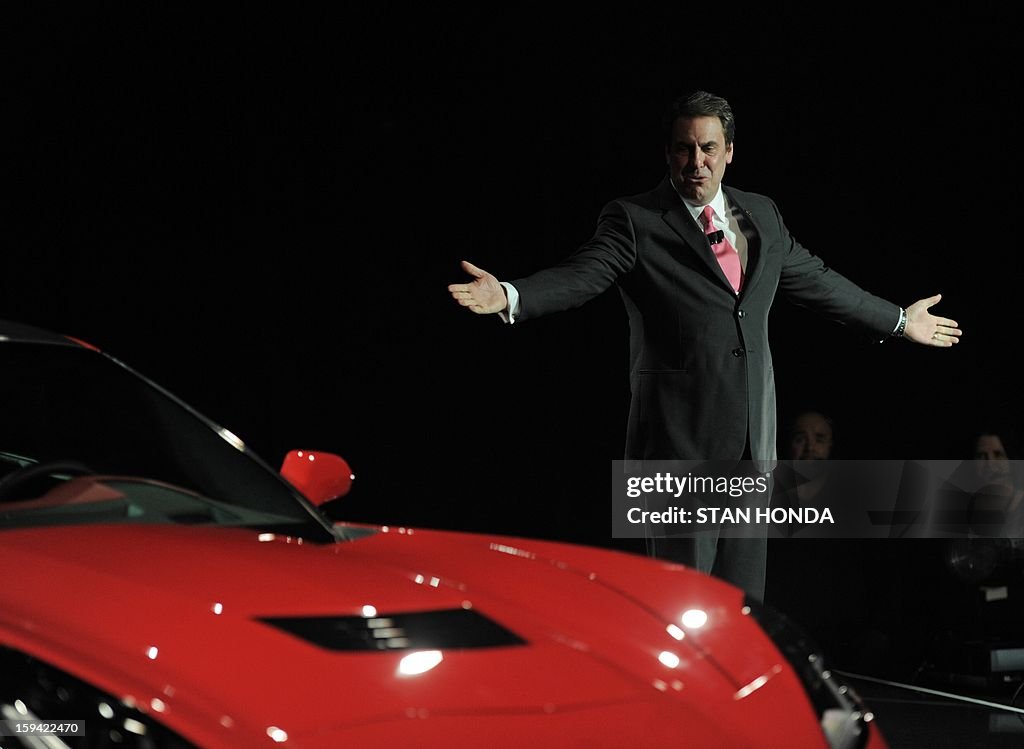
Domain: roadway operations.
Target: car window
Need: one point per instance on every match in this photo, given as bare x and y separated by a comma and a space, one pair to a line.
70, 404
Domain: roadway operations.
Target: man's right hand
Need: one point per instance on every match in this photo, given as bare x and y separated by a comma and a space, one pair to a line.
483, 295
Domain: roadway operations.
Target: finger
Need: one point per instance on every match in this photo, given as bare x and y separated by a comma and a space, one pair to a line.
945, 322
455, 288
473, 270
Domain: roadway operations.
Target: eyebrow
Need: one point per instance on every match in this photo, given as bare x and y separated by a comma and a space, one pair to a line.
703, 144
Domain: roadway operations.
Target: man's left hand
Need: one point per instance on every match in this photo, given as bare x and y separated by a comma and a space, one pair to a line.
925, 328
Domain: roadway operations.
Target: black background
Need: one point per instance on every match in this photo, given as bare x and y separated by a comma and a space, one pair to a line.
261, 209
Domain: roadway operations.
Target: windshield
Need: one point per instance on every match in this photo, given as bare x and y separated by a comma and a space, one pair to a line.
70, 413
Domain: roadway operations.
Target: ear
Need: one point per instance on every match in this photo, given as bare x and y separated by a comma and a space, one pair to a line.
728, 153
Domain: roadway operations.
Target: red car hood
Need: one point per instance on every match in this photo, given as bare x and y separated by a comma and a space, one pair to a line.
172, 619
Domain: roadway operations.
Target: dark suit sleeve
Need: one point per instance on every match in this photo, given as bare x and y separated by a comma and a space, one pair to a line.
586, 273
808, 282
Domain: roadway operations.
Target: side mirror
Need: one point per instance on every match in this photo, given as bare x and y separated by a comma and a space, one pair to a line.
320, 476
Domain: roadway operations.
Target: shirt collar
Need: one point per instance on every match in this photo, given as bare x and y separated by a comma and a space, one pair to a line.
717, 204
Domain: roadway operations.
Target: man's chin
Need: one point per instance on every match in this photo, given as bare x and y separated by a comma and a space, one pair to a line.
810, 469
699, 192
694, 194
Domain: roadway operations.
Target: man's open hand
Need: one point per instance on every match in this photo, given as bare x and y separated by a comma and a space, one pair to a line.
483, 295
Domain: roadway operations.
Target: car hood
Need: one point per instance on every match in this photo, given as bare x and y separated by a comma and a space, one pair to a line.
232, 633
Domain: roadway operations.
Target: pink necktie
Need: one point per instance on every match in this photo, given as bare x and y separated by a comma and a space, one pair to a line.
727, 256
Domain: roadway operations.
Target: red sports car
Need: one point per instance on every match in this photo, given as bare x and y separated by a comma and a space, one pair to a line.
165, 587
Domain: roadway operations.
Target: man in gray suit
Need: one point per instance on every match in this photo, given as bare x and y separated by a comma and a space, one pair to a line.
698, 265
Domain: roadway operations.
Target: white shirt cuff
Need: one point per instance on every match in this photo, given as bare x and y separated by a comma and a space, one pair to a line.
512, 311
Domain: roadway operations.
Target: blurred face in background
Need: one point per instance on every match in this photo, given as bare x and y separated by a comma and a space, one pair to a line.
811, 438
990, 459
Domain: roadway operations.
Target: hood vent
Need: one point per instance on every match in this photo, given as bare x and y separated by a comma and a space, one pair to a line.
422, 630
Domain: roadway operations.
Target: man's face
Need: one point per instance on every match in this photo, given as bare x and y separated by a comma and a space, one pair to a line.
991, 460
697, 156
812, 438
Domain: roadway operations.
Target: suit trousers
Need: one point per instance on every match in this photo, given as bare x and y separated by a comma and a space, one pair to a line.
738, 557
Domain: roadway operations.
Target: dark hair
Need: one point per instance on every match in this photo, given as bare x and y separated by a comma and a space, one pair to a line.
806, 412
700, 104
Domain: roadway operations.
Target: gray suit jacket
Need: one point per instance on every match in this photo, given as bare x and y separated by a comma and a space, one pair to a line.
700, 366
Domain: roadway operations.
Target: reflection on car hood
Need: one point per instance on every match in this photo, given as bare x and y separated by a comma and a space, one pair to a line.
190, 617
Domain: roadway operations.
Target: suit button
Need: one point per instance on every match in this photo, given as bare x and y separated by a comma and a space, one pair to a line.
737, 352
742, 313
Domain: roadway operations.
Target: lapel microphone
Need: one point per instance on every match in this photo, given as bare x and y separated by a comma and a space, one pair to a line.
715, 237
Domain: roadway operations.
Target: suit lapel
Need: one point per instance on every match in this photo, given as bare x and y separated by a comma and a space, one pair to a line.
754, 264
